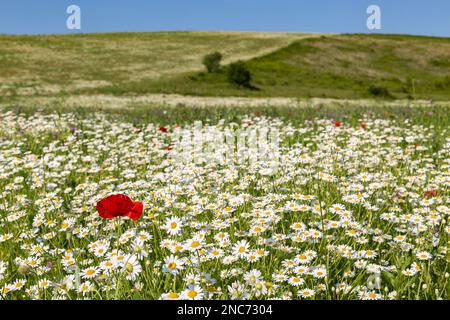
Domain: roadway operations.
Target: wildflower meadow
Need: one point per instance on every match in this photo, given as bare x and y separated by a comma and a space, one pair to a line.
335, 205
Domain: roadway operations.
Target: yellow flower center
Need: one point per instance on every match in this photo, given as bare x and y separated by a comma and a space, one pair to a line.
195, 244
129, 267
192, 294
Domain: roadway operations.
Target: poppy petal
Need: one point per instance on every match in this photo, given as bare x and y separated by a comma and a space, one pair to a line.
114, 206
136, 212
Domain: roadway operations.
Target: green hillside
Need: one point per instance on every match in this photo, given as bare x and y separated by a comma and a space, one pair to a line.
344, 66
55, 64
357, 66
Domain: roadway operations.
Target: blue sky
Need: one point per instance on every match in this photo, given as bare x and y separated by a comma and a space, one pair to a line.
430, 17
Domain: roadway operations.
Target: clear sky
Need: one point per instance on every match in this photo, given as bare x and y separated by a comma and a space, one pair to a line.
426, 17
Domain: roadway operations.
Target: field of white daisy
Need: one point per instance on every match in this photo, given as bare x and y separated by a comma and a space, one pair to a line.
340, 204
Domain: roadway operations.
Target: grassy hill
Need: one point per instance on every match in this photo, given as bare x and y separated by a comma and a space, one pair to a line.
282, 64
54, 64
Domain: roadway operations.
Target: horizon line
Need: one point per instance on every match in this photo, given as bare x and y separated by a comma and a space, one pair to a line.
222, 31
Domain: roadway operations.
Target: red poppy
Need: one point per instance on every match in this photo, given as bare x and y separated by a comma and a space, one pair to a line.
163, 129
119, 205
169, 148
431, 193
363, 125
337, 123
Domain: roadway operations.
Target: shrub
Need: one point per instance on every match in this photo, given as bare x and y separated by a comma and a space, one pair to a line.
442, 84
379, 91
239, 74
440, 61
212, 62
